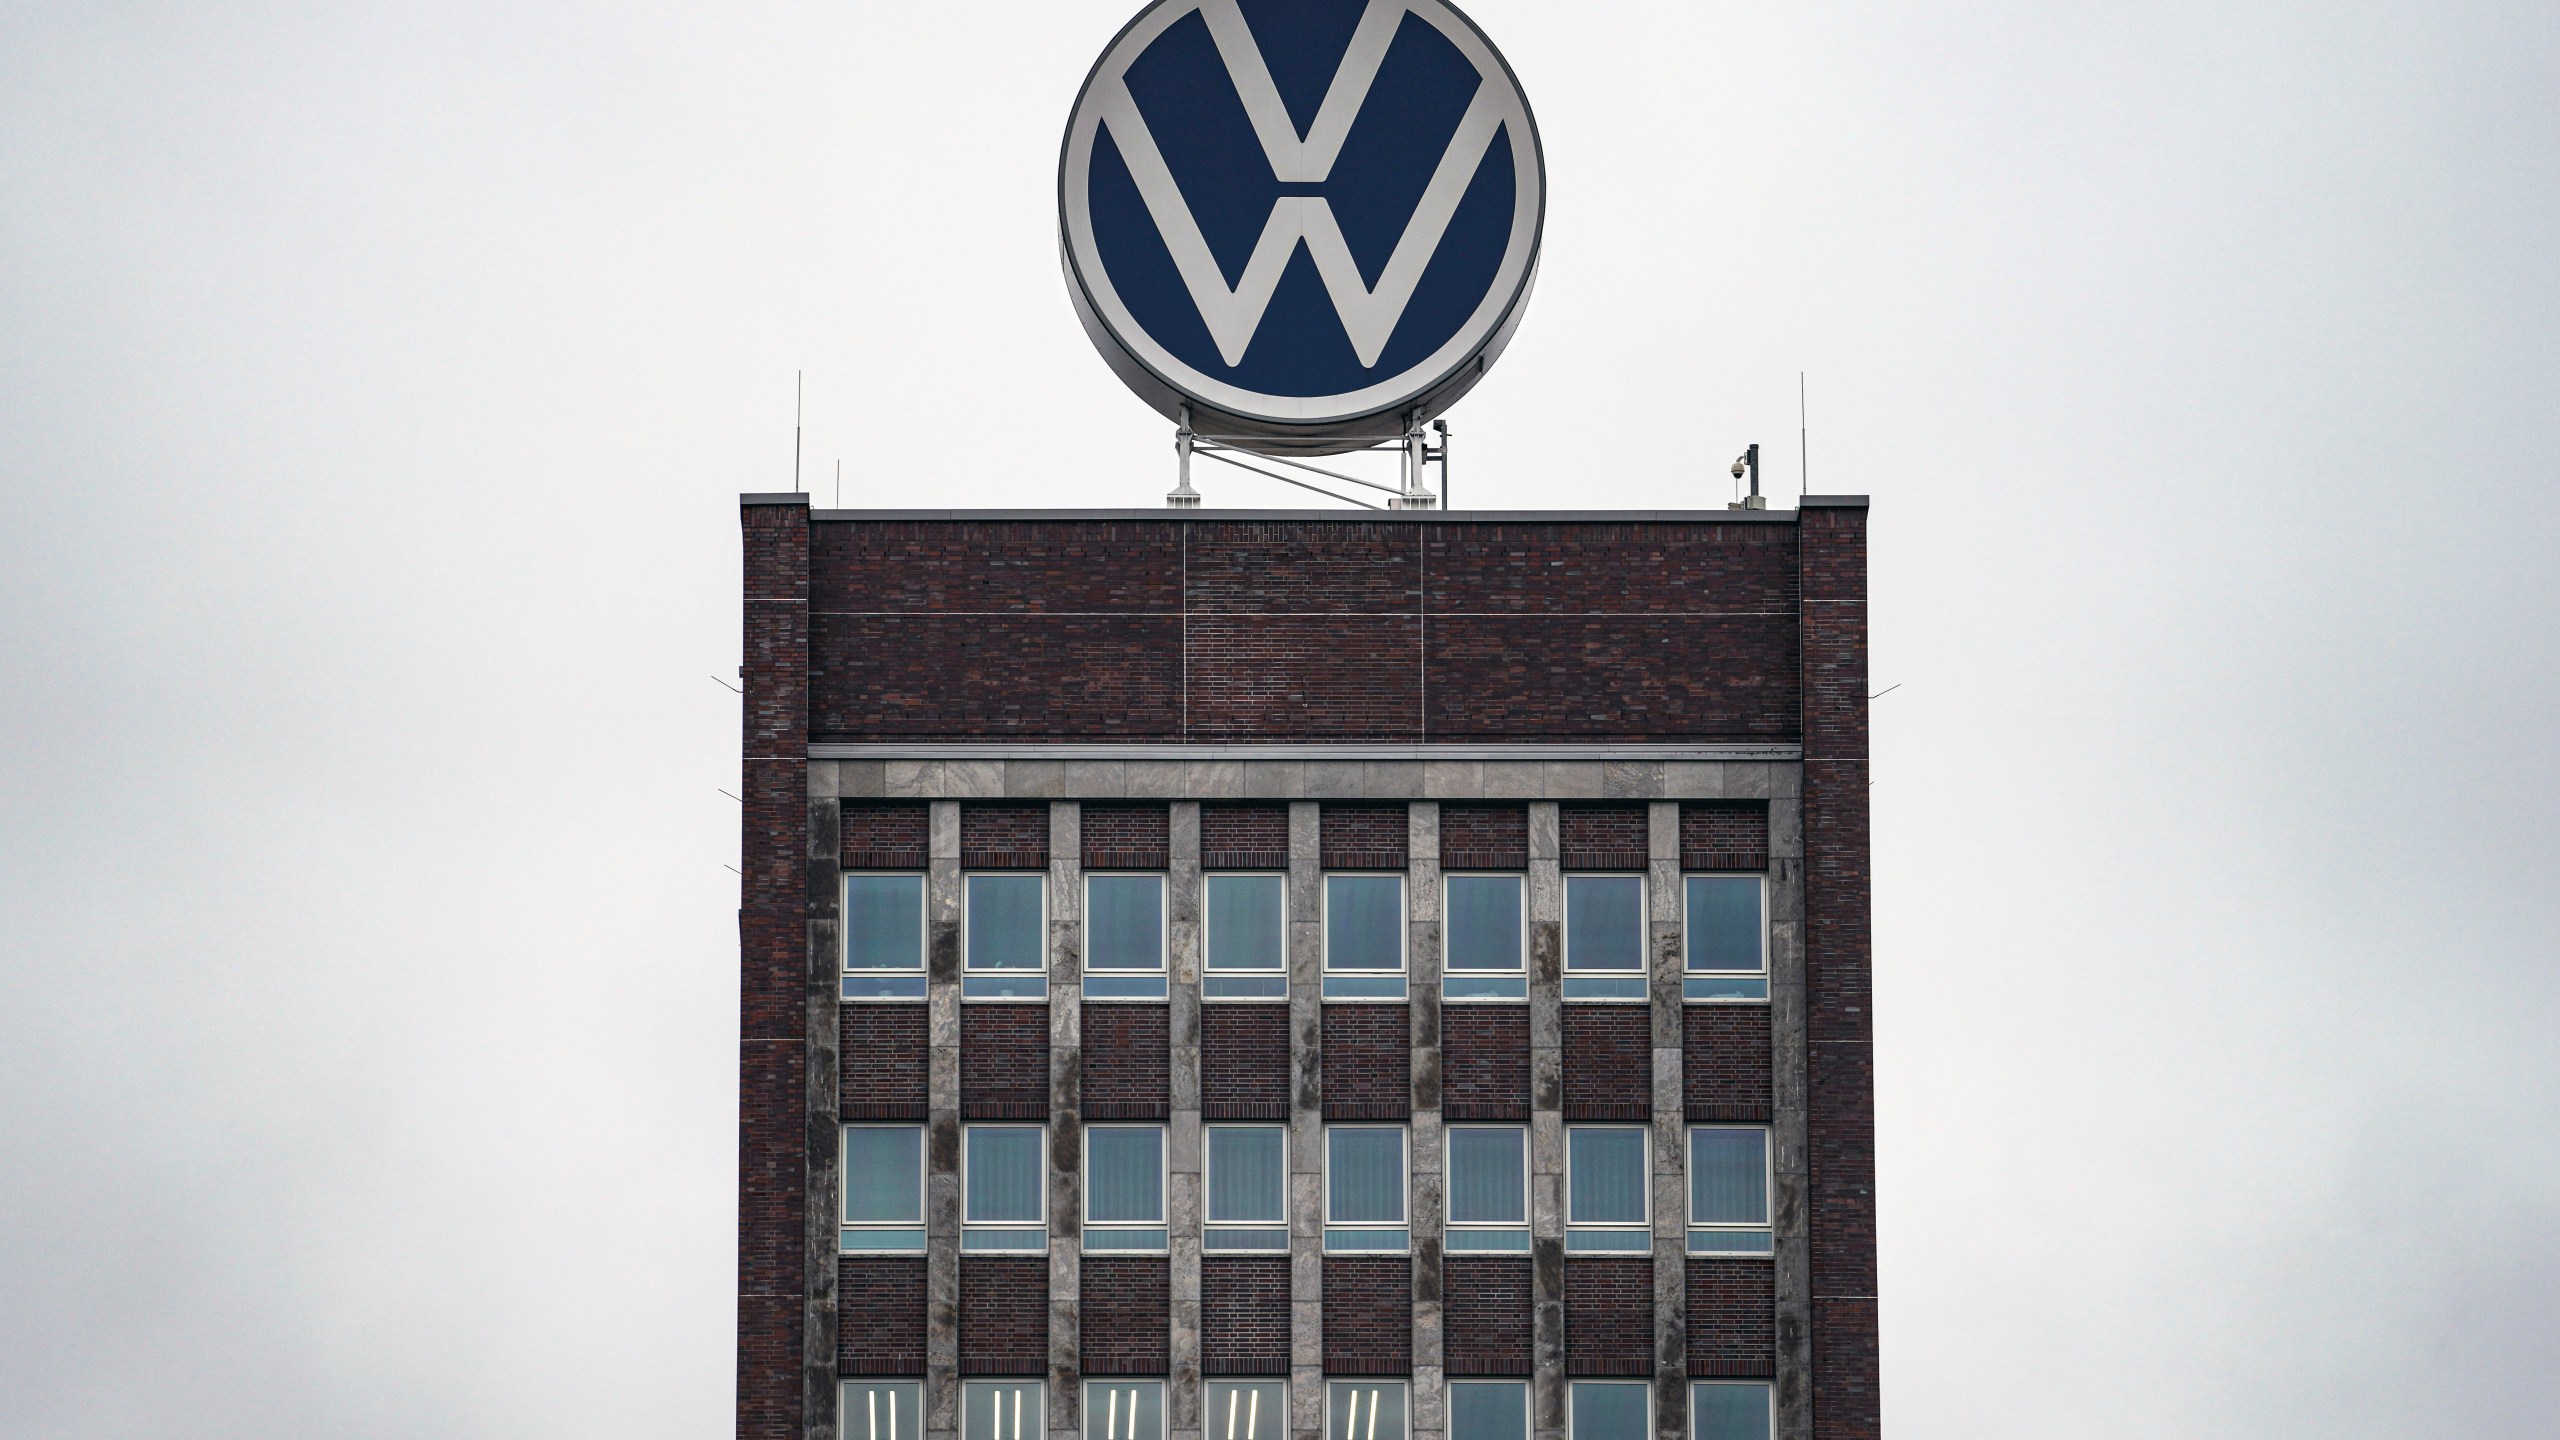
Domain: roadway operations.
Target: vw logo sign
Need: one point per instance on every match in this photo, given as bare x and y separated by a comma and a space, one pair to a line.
1309, 223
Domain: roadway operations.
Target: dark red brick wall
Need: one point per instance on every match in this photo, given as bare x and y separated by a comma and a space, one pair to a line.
773, 967
1368, 1062
1488, 1319
884, 1070
1127, 1053
880, 1315
1840, 1075
1733, 1317
1724, 1065
1004, 1062
1127, 1315
1368, 1315
1364, 837
1004, 1315
1127, 837
1608, 1062
1004, 837
1484, 837
1244, 1062
1484, 1062
1303, 630
1608, 1315
884, 835
1725, 835
1244, 837
1244, 1314
1604, 837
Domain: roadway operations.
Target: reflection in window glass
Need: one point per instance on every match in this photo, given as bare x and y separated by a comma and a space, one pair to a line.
1124, 922
1004, 922
1604, 1180
1725, 928
1488, 1410
1488, 1175
1364, 1176
1247, 1184
1364, 1410
1000, 1410
884, 1175
1364, 922
1245, 922
1729, 1410
884, 922
1603, 922
1484, 922
1124, 1410
881, 1410
1003, 1163
1728, 1176
1246, 1410
1607, 1410
1127, 1175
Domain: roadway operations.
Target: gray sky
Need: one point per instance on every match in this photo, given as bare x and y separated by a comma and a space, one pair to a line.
376, 380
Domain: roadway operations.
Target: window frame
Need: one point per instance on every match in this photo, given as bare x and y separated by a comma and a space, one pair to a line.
848, 974
1640, 971
1574, 1229
1041, 1189
1768, 1194
1645, 1386
1212, 975
1209, 1190
1449, 1190
1404, 1192
1164, 1400
1162, 1224
1403, 1389
1700, 994
846, 1226
1161, 972
1326, 970
967, 970
844, 1421
1766, 1388
1520, 971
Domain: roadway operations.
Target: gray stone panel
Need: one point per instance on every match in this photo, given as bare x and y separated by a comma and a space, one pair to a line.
1066, 1117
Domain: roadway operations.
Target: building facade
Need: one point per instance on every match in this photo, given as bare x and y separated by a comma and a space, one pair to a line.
1219, 975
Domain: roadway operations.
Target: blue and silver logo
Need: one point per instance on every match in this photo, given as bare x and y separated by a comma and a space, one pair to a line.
1310, 221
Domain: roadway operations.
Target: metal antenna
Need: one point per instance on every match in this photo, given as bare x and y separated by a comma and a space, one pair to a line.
839, 485
797, 389
1804, 461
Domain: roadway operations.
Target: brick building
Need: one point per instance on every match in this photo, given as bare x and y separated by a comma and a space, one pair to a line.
1217, 975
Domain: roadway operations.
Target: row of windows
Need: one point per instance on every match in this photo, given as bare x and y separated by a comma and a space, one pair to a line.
1259, 1410
1004, 928
1608, 1192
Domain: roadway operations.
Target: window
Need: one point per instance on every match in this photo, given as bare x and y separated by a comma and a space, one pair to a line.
1729, 1190
883, 1189
1004, 934
1488, 1188
880, 1410
1248, 1188
1001, 1170
1248, 934
1605, 1189
1124, 937
1124, 1410
1608, 1410
1728, 937
1604, 937
1364, 937
1482, 930
1246, 1410
1486, 1410
1364, 1189
1124, 1187
883, 937
1364, 1410
1731, 1410
1000, 1410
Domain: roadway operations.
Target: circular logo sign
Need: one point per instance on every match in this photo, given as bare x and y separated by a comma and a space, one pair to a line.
1310, 223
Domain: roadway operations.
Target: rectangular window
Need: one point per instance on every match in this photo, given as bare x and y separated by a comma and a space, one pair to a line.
1604, 937
880, 1410
1364, 1410
1004, 1205
1364, 1189
1608, 1410
1729, 1190
883, 1167
1482, 928
1246, 1410
1488, 1410
1124, 1187
1728, 937
1731, 1410
1004, 933
1247, 938
1124, 937
1605, 1188
1001, 1410
1248, 1184
883, 937
1364, 937
1124, 1410
1488, 1188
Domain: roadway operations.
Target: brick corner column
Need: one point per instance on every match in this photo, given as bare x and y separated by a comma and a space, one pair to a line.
773, 945
1546, 1122
1066, 1120
1670, 1112
1840, 1071
1430, 1203
825, 1132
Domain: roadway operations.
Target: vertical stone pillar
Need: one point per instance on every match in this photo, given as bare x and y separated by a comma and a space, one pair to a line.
1066, 1120
1546, 1122
1183, 900
1306, 1122
1788, 1153
818, 1353
942, 1124
1430, 1415
1670, 1139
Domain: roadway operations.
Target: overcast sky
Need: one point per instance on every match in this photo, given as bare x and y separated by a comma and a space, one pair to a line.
377, 379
